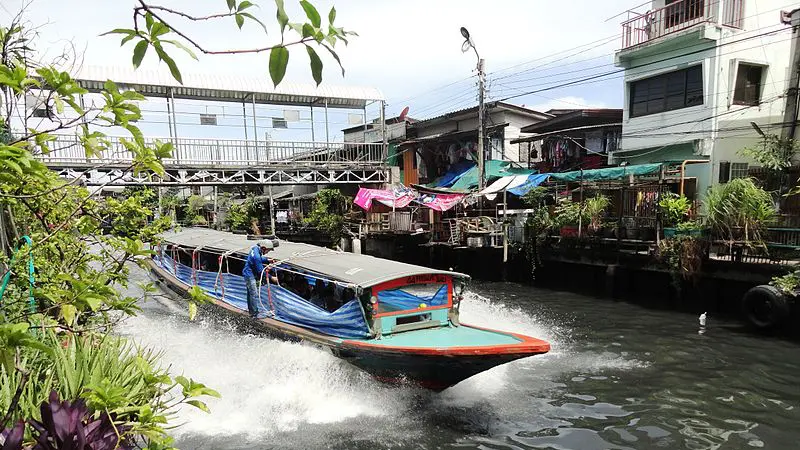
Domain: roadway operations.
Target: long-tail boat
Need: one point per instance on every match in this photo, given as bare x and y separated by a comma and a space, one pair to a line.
398, 322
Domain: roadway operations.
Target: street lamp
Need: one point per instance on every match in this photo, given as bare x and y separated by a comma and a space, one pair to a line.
481, 88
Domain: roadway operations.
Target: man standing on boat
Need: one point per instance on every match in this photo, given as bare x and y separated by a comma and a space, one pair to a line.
253, 270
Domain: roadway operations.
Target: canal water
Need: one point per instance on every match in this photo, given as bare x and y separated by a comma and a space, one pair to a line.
618, 377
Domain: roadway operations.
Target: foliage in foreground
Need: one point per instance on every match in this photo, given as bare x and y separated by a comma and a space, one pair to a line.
64, 381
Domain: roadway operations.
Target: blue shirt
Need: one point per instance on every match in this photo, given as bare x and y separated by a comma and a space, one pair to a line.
254, 265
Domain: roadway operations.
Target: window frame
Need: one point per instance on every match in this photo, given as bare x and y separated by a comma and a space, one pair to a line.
734, 170
759, 89
661, 83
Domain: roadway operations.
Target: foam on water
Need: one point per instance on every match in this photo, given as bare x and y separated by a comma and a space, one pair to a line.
271, 387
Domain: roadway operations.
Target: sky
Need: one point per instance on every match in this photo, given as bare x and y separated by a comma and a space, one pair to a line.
410, 50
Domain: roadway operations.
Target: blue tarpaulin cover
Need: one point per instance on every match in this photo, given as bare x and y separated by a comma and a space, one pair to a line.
454, 172
533, 181
346, 322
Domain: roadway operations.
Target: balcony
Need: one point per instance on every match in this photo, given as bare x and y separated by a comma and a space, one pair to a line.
678, 16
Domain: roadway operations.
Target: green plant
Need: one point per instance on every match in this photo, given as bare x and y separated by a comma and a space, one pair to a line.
683, 255
569, 213
240, 216
774, 153
327, 213
595, 209
788, 284
739, 210
689, 225
110, 374
674, 209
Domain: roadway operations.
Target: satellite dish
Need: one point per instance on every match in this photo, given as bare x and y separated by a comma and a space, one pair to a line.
403, 114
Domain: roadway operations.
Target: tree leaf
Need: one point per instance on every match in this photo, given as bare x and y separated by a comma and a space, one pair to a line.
244, 5
278, 60
138, 52
332, 15
120, 31
159, 28
281, 15
231, 5
254, 18
148, 18
199, 405
239, 20
182, 47
336, 57
192, 310
308, 30
68, 312
173, 68
311, 13
316, 64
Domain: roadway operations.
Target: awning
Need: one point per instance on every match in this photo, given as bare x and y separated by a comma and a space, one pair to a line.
454, 172
493, 169
440, 202
502, 184
609, 173
396, 198
532, 181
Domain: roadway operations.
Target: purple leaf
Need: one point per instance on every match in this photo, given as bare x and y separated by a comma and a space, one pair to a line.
12, 438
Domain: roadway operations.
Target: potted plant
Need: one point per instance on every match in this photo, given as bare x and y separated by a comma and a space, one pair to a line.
674, 210
567, 218
739, 211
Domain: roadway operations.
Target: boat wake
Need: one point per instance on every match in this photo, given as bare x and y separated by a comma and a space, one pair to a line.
309, 398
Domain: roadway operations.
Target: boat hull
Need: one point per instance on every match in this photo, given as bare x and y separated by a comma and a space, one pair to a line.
431, 368
434, 372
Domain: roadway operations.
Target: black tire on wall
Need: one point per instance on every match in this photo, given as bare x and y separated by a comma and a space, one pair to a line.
765, 307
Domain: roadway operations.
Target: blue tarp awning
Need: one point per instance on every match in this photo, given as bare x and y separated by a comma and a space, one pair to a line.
533, 181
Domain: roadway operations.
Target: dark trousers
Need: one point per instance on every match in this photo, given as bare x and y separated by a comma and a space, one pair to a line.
252, 296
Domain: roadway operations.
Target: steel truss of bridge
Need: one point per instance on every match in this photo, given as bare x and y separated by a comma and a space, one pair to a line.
217, 177
214, 162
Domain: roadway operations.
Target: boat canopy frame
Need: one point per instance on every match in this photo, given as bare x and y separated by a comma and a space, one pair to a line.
363, 271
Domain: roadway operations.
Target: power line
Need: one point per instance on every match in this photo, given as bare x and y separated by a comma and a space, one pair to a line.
601, 75
605, 65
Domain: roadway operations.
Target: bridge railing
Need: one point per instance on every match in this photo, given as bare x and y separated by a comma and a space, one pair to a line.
187, 152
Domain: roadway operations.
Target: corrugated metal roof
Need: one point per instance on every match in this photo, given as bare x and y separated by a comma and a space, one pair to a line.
197, 86
489, 106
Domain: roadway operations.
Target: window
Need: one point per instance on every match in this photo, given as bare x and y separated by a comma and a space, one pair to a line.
208, 119
680, 11
739, 170
748, 85
667, 92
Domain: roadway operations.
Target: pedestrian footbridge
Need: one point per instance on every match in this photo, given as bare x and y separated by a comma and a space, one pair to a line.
251, 160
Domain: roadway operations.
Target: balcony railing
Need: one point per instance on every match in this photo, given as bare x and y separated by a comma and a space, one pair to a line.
216, 153
679, 16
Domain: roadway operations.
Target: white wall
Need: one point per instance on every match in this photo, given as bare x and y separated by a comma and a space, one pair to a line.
721, 128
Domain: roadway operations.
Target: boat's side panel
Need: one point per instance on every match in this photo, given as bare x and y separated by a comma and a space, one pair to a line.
273, 327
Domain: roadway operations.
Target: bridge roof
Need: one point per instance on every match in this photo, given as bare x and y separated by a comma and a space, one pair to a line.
228, 88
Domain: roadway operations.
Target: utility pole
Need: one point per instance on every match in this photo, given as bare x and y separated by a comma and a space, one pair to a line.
481, 122
790, 113
468, 44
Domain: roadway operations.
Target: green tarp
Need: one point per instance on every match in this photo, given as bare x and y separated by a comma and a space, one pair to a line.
610, 173
493, 169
